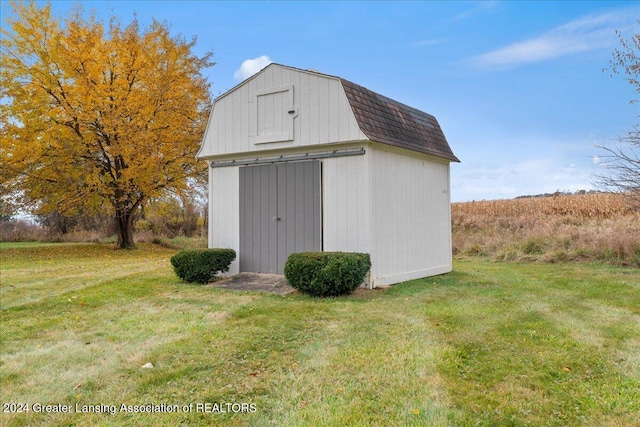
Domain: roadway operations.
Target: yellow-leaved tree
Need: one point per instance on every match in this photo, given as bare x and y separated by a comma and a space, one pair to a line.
97, 116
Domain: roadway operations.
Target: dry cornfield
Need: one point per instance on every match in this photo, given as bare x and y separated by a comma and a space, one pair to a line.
583, 206
589, 227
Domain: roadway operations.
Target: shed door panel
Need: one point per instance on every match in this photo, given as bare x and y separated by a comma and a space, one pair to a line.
257, 229
274, 115
280, 213
299, 209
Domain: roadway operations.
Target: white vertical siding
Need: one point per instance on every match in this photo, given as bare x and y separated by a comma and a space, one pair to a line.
410, 217
224, 211
323, 114
346, 219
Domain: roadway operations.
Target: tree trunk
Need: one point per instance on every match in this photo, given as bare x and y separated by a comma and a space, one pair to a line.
124, 220
62, 223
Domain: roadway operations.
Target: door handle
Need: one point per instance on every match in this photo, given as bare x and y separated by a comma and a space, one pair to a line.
276, 218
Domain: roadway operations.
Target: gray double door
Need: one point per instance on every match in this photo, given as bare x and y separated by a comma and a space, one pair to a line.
280, 213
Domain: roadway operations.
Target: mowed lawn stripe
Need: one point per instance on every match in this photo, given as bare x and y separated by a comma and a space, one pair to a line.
30, 274
523, 355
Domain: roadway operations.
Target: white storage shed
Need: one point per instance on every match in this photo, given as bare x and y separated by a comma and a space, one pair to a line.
304, 161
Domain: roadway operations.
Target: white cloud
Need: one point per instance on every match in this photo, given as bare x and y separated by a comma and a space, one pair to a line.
251, 66
478, 7
596, 160
429, 42
586, 33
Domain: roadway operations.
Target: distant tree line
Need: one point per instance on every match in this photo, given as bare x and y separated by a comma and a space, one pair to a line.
166, 217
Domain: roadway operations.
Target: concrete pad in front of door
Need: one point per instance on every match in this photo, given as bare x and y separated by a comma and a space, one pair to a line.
264, 282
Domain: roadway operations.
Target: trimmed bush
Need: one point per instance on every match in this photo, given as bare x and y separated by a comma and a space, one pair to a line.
325, 274
201, 265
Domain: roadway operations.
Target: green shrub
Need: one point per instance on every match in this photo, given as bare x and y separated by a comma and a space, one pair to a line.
324, 274
201, 265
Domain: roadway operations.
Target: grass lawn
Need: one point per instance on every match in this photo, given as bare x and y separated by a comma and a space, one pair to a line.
490, 344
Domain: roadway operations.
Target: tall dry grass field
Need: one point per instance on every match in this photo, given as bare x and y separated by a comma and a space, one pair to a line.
590, 227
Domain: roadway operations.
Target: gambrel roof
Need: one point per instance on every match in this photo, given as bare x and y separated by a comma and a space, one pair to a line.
327, 109
385, 120
390, 122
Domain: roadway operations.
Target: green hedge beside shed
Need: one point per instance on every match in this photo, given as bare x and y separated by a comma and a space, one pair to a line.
325, 274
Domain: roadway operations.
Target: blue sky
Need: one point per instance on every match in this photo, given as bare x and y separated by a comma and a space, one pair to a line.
518, 87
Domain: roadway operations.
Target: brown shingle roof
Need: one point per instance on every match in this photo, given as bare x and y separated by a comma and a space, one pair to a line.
387, 121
